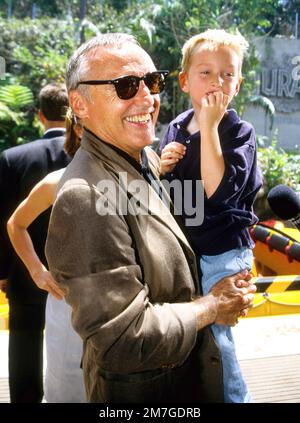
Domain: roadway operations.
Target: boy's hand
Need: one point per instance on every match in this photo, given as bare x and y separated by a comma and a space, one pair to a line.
170, 156
213, 108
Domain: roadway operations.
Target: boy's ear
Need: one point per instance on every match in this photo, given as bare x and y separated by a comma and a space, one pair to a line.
183, 82
238, 85
79, 104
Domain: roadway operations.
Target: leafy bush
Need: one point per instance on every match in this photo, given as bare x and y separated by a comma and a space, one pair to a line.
278, 167
15, 116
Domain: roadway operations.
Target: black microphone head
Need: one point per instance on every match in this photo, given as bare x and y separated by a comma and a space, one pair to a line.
284, 202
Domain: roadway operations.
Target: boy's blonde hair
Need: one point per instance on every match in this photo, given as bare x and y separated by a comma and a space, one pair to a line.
214, 38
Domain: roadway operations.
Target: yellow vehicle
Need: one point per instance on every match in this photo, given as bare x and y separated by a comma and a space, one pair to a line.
276, 268
3, 311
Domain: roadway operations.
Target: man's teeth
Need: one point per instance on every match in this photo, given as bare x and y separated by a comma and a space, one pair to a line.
138, 118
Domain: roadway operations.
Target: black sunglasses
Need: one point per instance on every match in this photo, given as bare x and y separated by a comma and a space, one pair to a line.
127, 86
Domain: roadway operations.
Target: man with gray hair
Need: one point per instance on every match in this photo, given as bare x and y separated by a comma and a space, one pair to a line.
129, 273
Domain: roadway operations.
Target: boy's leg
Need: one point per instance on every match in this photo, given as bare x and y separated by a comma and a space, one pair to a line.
213, 269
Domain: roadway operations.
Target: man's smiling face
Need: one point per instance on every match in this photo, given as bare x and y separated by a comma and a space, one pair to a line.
127, 124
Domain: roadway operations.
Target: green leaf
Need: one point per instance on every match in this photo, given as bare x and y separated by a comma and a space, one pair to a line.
16, 96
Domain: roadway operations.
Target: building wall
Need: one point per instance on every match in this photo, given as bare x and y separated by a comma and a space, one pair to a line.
280, 82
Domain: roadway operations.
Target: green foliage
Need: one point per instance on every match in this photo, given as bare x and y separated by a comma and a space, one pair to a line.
7, 115
14, 121
16, 96
36, 53
278, 166
36, 50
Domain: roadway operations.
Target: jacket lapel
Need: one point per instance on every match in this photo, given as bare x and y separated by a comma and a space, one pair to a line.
130, 178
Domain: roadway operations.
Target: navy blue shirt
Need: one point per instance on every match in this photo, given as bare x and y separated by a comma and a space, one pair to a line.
229, 211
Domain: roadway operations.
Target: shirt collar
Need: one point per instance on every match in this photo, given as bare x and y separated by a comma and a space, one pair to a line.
60, 129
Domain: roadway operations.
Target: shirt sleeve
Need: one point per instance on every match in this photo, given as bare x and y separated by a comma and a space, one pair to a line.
8, 204
239, 153
94, 258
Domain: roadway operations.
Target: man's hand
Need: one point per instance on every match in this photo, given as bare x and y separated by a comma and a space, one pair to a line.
44, 280
170, 156
213, 108
3, 285
233, 301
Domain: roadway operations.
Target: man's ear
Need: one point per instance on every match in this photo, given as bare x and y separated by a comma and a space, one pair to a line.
183, 82
79, 104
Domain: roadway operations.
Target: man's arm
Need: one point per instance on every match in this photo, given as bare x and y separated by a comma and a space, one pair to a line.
226, 302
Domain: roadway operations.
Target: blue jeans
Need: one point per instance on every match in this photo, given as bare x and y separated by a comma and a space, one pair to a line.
213, 269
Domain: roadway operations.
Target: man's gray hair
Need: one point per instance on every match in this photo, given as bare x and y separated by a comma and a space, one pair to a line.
77, 65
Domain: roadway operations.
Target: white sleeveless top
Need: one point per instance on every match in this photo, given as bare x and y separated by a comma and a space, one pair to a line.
64, 377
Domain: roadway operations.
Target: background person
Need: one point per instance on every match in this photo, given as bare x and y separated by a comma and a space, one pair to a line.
64, 378
20, 169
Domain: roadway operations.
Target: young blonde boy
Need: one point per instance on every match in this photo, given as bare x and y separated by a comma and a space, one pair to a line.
212, 144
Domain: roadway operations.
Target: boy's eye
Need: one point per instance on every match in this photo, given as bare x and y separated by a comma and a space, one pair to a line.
229, 74
204, 72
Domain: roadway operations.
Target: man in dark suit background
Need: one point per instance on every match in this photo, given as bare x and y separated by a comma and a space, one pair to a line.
20, 169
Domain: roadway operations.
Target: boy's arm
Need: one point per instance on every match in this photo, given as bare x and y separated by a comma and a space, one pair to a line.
242, 177
212, 165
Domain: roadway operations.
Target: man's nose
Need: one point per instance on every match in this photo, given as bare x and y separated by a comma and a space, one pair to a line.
144, 92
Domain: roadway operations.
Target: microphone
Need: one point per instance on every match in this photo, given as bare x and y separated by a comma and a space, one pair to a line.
285, 203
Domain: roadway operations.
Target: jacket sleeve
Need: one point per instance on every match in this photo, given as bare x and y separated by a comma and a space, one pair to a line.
8, 204
241, 171
94, 258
